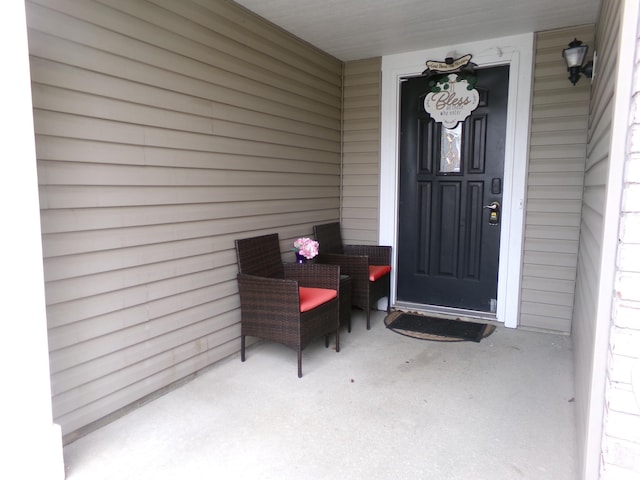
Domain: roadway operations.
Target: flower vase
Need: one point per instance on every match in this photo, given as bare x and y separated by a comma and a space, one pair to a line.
300, 258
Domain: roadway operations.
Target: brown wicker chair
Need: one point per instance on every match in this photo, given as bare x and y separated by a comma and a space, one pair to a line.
369, 266
271, 292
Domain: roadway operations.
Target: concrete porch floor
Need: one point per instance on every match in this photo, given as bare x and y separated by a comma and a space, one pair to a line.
385, 407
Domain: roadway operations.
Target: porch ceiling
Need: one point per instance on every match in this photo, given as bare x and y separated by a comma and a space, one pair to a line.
357, 29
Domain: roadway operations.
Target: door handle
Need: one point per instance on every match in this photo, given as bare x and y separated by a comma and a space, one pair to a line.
494, 214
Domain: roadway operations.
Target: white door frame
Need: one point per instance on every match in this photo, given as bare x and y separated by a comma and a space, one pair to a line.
517, 52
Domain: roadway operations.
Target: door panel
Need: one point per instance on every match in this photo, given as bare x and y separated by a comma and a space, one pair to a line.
448, 242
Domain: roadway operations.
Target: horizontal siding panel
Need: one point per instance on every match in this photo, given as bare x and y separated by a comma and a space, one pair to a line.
361, 169
355, 92
553, 205
362, 71
362, 191
70, 174
360, 202
86, 151
104, 196
371, 136
553, 272
362, 101
546, 258
534, 232
567, 165
362, 114
551, 246
549, 285
547, 310
541, 191
354, 159
555, 178
560, 138
560, 220
362, 232
539, 322
361, 180
560, 126
561, 96
548, 297
360, 124
550, 112
367, 210
361, 147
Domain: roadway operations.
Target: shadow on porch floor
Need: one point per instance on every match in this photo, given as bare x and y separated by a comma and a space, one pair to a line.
384, 407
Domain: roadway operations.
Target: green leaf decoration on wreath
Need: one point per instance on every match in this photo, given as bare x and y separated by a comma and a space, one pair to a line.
441, 82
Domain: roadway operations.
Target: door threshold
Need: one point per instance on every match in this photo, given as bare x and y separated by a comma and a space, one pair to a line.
446, 312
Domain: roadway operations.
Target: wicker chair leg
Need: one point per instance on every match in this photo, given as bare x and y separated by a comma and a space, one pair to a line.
299, 362
242, 344
326, 341
369, 318
338, 339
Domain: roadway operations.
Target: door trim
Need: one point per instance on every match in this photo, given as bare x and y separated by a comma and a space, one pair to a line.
517, 52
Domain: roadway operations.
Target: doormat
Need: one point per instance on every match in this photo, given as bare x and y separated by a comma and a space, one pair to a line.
437, 329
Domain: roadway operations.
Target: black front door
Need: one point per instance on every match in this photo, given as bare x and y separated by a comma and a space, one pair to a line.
450, 198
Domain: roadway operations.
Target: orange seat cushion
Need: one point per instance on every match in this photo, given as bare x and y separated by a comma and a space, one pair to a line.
311, 297
377, 271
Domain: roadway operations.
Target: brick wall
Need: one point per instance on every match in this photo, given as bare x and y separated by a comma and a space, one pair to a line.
621, 436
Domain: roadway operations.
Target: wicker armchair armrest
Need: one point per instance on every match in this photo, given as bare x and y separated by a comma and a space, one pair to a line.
313, 275
268, 297
378, 254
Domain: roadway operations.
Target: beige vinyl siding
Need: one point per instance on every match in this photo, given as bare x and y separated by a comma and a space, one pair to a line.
591, 230
164, 131
361, 151
554, 185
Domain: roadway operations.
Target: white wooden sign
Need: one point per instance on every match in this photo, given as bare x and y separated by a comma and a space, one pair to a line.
453, 102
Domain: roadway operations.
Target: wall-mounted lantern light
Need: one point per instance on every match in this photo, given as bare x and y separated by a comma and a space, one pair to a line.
574, 56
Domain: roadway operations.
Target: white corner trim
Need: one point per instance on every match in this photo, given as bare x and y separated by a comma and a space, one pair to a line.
517, 52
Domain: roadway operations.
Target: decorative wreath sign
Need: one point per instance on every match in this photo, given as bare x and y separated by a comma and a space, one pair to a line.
452, 95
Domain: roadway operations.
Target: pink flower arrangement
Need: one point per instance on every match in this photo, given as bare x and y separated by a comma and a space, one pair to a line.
306, 247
